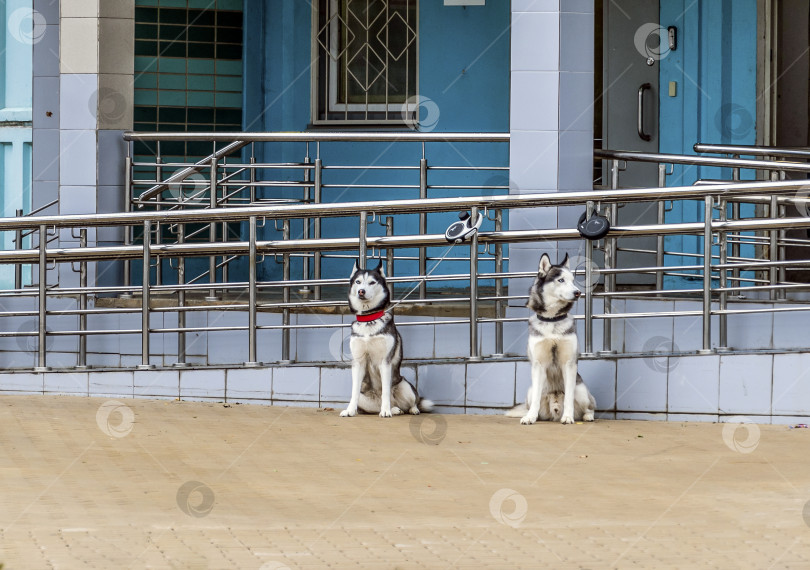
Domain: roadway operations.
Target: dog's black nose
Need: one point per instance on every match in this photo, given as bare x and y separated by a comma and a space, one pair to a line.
361, 292
577, 294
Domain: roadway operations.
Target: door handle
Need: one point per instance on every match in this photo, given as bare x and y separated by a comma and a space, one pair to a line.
644, 136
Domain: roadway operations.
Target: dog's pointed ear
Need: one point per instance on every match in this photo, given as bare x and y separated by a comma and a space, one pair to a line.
565, 263
356, 268
380, 268
544, 266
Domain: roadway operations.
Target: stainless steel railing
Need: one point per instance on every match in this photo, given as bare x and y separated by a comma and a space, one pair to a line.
713, 268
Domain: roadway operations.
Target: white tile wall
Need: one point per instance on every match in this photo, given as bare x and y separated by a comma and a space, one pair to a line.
535, 94
296, 383
640, 386
336, 385
247, 383
535, 41
202, 383
109, 384
600, 377
444, 384
154, 383
791, 384
694, 383
745, 384
66, 383
490, 384
22, 382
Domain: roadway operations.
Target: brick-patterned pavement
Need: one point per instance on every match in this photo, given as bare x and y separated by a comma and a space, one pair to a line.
87, 483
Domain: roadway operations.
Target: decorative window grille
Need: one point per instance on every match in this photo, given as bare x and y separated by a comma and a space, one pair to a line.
366, 61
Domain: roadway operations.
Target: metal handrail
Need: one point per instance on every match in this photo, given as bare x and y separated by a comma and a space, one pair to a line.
408, 206
318, 136
700, 160
752, 150
177, 177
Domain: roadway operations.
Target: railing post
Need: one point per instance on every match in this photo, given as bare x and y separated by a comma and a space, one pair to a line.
707, 276
147, 239
362, 235
422, 223
316, 229
306, 222
181, 299
474, 352
659, 240
588, 292
498, 286
128, 188
773, 249
389, 253
18, 239
212, 238
83, 303
158, 239
723, 282
285, 312
42, 300
252, 294
609, 283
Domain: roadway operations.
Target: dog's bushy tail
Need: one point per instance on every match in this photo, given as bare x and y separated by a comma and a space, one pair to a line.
517, 412
425, 405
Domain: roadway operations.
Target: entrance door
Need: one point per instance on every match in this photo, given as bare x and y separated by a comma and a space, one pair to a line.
633, 44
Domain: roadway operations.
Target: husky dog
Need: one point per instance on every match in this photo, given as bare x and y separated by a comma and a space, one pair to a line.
553, 350
377, 385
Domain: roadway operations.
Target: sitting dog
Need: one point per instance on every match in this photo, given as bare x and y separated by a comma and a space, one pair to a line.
376, 347
553, 350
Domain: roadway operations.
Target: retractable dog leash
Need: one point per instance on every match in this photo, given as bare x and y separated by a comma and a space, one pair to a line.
455, 234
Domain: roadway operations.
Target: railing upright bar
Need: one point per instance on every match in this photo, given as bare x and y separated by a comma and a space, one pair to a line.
474, 351
252, 298
773, 248
158, 240
363, 235
83, 302
723, 239
316, 229
147, 239
181, 300
212, 238
498, 286
735, 215
285, 313
18, 239
707, 275
659, 240
389, 253
423, 222
306, 223
42, 300
128, 208
588, 287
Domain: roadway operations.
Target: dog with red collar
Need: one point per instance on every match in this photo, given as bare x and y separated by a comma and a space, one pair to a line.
376, 347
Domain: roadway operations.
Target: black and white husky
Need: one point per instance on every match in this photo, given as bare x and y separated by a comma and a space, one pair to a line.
553, 350
377, 385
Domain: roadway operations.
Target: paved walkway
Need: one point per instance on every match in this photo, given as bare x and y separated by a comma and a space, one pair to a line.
87, 483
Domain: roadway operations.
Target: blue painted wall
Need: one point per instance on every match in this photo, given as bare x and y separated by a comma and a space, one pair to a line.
714, 67
463, 71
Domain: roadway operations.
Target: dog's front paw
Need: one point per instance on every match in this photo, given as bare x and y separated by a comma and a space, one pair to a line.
567, 420
395, 411
527, 420
587, 417
348, 412
385, 414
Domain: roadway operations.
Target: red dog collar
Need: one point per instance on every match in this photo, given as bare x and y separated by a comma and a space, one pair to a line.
371, 317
